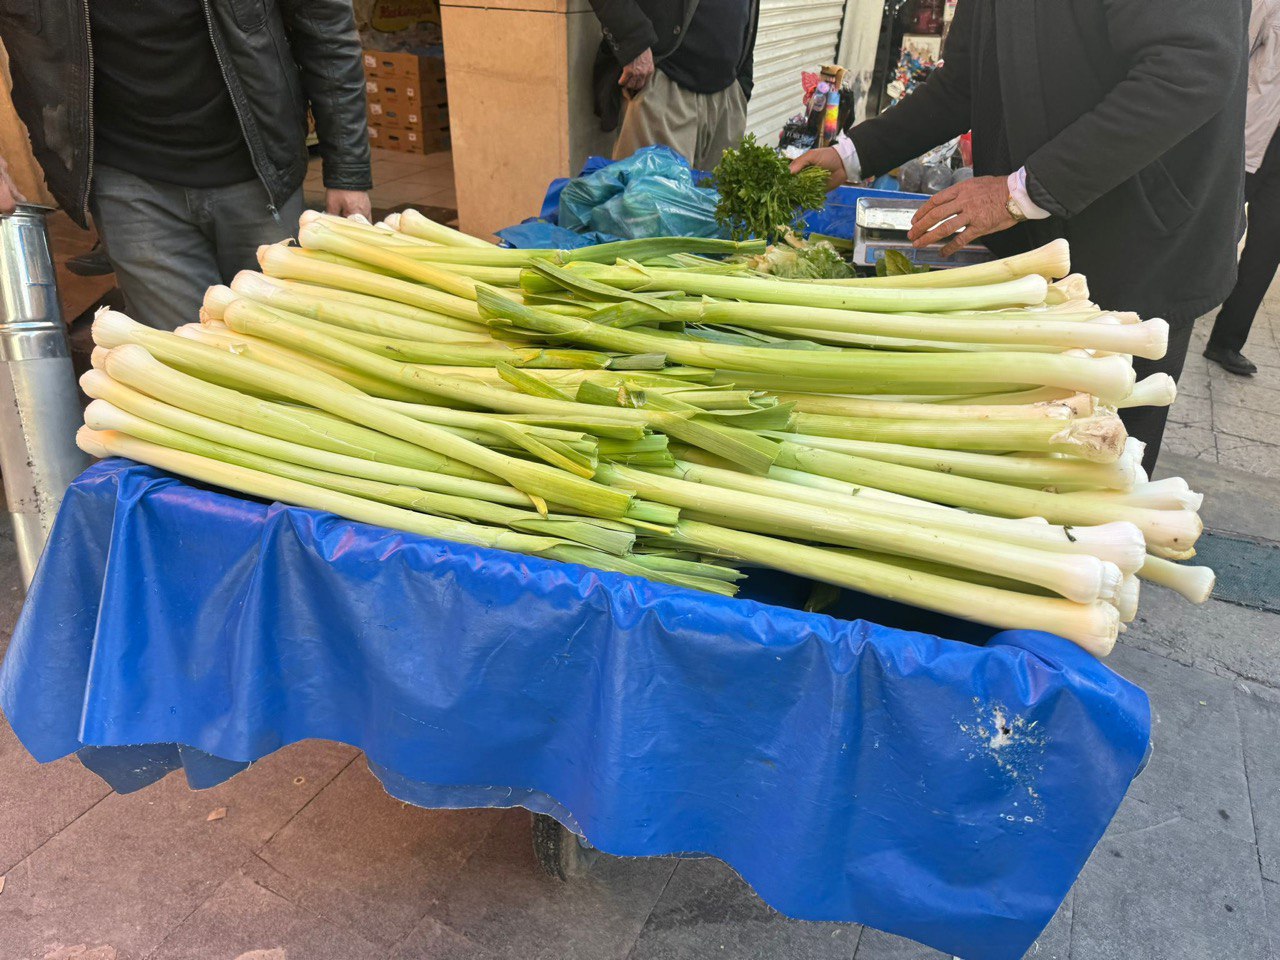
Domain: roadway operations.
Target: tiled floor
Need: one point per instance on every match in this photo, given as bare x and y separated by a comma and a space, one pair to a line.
419, 180
1228, 419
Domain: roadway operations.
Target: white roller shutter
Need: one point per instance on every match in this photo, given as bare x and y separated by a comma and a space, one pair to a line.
793, 35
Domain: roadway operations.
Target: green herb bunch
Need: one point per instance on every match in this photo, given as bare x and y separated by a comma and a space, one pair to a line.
759, 195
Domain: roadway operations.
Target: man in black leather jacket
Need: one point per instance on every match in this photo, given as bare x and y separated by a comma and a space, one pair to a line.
180, 126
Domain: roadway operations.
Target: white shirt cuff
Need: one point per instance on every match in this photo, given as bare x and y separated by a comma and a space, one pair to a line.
849, 154
1018, 190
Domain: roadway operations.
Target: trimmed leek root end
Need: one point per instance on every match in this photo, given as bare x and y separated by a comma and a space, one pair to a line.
1194, 583
1157, 390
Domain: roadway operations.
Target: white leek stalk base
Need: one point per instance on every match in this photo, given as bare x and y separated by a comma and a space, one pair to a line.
1194, 583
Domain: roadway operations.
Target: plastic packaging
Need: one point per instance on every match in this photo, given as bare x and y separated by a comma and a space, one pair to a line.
818, 109
831, 121
911, 176
652, 193
937, 177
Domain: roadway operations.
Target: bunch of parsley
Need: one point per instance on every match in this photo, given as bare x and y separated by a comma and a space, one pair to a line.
759, 195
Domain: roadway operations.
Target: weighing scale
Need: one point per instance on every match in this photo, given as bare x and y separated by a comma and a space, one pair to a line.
881, 224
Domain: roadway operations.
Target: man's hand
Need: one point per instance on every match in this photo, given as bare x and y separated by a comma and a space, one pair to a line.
344, 203
828, 159
10, 195
979, 206
637, 74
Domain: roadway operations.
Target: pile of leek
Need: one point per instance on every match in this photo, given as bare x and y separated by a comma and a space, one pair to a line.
948, 440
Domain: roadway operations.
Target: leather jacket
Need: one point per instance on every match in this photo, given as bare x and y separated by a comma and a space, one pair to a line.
277, 56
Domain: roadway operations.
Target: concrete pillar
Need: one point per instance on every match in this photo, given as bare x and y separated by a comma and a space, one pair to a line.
520, 115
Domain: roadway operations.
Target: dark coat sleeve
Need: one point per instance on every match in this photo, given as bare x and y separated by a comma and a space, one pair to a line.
1183, 57
939, 110
746, 72
627, 30
326, 47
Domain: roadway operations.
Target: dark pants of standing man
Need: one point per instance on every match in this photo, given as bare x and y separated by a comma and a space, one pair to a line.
1261, 254
1147, 423
169, 244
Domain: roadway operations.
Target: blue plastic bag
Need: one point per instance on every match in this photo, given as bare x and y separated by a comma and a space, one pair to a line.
652, 193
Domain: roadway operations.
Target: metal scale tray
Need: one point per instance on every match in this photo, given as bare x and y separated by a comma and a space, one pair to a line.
881, 224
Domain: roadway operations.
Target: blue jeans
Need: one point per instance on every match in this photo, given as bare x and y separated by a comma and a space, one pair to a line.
169, 244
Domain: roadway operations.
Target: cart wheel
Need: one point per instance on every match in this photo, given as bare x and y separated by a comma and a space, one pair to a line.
560, 852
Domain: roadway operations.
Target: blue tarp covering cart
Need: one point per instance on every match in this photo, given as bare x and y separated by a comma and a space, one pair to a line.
879, 764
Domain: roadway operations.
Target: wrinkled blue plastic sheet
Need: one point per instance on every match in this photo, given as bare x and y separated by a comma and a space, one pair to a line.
943, 790
538, 234
652, 193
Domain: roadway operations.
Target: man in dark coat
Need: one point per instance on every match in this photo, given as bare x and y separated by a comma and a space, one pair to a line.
1118, 124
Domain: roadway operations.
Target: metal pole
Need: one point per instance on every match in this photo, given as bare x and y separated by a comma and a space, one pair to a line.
39, 401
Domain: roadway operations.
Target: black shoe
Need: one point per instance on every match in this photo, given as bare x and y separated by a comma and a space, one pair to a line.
91, 264
1232, 361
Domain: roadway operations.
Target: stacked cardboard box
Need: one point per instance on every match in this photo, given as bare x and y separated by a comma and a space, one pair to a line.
408, 104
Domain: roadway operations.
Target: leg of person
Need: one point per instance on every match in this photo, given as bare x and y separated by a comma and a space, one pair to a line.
1147, 423
242, 222
1258, 266
722, 126
662, 113
163, 257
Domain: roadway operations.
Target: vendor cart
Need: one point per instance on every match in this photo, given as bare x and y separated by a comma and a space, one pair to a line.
867, 763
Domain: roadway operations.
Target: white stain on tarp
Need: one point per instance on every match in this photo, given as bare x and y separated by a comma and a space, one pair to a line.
1013, 743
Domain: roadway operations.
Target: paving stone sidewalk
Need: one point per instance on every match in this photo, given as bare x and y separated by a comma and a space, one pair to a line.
313, 861
1234, 421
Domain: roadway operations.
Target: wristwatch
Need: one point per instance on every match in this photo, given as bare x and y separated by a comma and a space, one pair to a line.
1014, 209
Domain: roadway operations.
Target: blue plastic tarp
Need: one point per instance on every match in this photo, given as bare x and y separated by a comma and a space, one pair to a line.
854, 767
839, 217
538, 234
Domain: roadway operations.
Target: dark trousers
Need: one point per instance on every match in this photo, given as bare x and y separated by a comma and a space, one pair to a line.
1261, 255
1147, 423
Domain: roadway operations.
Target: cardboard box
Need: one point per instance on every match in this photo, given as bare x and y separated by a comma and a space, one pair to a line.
388, 66
408, 138
379, 106
400, 90
408, 105
395, 115
409, 68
